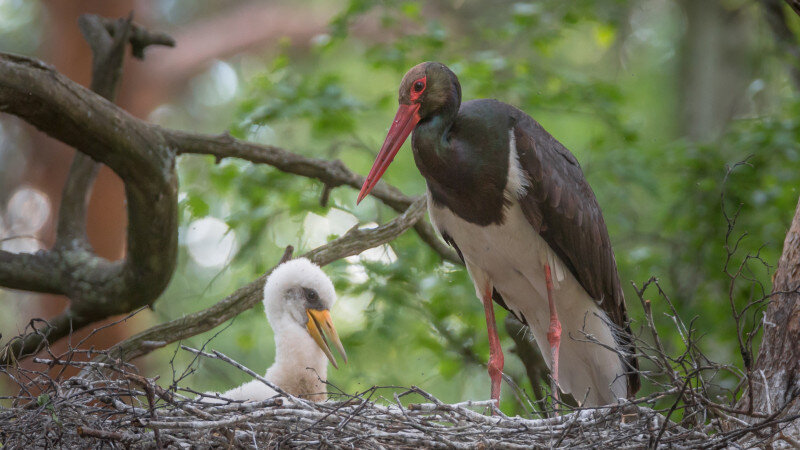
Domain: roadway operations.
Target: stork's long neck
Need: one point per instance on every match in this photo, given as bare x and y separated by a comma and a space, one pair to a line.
429, 141
299, 363
294, 347
465, 159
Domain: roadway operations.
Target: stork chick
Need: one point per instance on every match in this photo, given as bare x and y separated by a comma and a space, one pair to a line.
297, 300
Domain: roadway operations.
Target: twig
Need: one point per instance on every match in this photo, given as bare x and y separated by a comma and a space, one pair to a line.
95, 413
331, 173
96, 128
352, 243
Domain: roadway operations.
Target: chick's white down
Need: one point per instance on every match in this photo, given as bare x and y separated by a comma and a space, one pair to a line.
300, 366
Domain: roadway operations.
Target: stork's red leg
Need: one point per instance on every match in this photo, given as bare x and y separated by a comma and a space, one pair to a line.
554, 331
495, 351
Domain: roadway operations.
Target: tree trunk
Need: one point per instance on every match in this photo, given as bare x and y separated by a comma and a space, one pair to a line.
778, 362
714, 69
49, 162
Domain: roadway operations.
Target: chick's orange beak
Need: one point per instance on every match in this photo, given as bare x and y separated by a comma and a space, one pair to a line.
319, 324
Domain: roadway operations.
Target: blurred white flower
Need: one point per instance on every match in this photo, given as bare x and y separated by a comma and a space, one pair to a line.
211, 243
27, 212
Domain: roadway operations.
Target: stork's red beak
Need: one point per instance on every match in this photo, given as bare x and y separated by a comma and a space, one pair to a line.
404, 121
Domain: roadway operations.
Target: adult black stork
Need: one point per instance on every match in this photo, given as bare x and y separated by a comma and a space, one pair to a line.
515, 205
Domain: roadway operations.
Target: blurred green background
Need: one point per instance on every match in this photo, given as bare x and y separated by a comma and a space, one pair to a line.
656, 98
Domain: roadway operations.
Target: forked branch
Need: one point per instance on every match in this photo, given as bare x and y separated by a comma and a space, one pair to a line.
143, 155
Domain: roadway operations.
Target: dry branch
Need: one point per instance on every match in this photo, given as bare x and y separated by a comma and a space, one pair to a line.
331, 173
143, 155
116, 404
57, 106
89, 411
135, 411
353, 242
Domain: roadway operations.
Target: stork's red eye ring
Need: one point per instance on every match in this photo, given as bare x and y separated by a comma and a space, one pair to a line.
418, 87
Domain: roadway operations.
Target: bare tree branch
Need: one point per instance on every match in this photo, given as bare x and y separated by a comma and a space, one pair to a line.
143, 155
66, 111
71, 230
332, 173
121, 405
353, 242
108, 51
30, 272
139, 37
96, 287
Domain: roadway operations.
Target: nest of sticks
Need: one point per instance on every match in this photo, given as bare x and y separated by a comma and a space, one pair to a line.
110, 404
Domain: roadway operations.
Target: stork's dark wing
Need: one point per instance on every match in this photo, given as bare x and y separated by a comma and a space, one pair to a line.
561, 206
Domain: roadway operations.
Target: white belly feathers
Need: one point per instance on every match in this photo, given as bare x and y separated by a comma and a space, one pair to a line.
512, 256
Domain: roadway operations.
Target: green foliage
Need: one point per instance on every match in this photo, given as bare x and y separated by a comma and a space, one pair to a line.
601, 76
44, 401
295, 96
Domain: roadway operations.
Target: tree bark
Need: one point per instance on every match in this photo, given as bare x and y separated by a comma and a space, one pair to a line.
143, 155
353, 242
776, 383
57, 106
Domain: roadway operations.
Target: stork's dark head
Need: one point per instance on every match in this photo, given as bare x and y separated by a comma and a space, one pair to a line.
429, 89
432, 86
